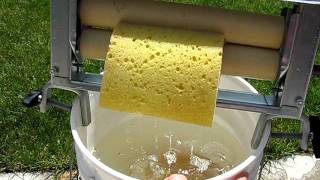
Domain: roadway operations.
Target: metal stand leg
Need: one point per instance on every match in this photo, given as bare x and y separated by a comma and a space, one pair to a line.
45, 96
305, 130
85, 107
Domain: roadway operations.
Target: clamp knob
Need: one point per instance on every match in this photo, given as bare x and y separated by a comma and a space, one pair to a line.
32, 99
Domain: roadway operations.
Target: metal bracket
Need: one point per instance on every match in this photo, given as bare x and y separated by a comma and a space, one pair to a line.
305, 44
299, 57
266, 119
83, 98
286, 50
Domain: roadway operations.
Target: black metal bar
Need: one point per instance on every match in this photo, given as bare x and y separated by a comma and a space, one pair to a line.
59, 105
316, 70
281, 135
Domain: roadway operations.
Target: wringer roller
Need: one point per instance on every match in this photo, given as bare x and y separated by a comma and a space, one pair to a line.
281, 49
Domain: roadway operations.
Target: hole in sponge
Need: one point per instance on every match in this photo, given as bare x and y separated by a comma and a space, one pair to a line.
180, 86
151, 57
158, 91
169, 99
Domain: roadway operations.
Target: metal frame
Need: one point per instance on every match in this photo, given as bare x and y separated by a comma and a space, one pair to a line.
298, 56
299, 52
305, 1
65, 58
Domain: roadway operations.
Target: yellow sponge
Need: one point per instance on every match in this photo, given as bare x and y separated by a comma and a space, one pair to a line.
165, 72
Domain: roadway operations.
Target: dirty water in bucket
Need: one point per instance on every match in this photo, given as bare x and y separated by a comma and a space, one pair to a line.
147, 148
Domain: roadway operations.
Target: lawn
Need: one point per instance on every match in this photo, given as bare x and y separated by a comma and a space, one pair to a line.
32, 141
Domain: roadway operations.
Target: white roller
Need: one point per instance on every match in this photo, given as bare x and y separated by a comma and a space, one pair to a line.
238, 60
238, 27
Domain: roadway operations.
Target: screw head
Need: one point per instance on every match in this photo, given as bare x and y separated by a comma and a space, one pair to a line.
299, 101
39, 98
54, 70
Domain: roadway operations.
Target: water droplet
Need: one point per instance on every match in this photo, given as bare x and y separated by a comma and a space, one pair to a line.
180, 86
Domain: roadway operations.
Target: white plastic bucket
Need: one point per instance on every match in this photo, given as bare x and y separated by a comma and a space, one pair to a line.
239, 124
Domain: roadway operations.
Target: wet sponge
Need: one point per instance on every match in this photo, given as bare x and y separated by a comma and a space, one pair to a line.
164, 72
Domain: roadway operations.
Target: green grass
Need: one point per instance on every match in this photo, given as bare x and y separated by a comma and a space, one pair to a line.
32, 141
29, 140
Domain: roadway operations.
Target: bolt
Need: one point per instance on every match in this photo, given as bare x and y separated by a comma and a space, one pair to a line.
54, 70
39, 98
299, 101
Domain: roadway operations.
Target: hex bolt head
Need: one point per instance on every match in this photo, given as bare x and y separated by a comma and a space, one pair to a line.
299, 101
54, 70
39, 98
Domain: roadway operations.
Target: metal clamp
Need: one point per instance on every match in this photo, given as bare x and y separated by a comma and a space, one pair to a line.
267, 118
83, 97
